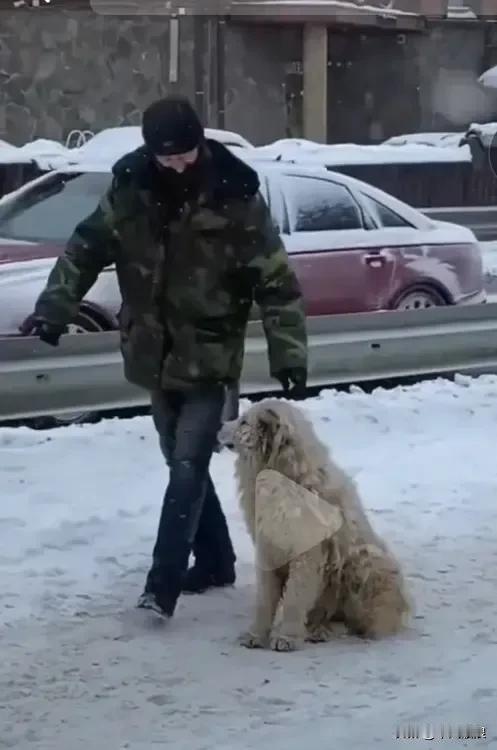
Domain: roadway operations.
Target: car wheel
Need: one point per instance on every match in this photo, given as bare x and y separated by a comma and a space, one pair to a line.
419, 299
85, 322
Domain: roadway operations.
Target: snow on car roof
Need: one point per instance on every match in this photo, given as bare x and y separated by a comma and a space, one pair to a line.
108, 144
41, 150
113, 143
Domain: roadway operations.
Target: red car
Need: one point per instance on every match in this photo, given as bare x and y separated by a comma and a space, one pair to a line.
354, 248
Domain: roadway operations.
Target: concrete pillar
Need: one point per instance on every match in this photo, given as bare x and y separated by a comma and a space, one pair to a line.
315, 100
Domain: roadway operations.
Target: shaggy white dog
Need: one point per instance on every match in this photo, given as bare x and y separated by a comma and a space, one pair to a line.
318, 560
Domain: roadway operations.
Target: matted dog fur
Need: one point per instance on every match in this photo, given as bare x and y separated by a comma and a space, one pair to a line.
319, 562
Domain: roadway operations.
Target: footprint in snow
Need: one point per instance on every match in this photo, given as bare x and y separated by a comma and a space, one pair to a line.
12, 523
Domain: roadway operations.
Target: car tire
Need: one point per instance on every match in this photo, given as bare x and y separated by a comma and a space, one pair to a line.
87, 321
419, 298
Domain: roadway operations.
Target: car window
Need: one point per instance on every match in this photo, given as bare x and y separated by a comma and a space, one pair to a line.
320, 205
383, 215
51, 210
275, 201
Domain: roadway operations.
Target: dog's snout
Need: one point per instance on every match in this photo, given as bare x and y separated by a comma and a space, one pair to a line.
226, 435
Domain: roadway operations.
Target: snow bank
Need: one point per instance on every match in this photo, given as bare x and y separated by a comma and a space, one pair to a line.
484, 132
310, 153
81, 668
489, 78
112, 143
440, 140
342, 5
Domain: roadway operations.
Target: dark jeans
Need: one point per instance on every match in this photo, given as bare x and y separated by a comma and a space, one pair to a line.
188, 423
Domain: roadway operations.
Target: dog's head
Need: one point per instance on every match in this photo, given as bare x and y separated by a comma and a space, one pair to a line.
264, 429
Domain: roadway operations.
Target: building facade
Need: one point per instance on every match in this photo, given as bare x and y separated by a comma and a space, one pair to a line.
325, 71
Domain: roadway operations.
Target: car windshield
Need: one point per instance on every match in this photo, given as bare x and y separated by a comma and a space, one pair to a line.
51, 210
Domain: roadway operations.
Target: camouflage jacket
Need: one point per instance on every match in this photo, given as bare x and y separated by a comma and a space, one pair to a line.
187, 283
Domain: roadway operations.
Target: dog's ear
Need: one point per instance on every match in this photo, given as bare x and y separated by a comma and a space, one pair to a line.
267, 423
274, 433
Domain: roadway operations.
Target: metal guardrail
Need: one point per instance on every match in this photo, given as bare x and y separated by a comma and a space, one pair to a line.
85, 372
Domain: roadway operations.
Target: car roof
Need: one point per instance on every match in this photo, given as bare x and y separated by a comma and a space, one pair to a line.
265, 168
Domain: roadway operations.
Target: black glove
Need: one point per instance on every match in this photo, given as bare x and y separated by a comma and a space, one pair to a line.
293, 381
49, 333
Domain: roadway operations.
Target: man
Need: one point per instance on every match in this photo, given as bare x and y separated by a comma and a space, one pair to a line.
194, 247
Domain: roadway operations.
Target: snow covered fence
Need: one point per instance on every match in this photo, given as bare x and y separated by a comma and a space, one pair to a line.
86, 373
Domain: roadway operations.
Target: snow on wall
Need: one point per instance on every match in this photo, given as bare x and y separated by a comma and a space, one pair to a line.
112, 143
295, 149
441, 140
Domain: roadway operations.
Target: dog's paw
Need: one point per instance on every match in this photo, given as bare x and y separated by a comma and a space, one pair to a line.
324, 633
253, 640
285, 643
319, 635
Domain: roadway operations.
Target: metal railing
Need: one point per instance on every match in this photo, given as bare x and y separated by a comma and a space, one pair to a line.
85, 372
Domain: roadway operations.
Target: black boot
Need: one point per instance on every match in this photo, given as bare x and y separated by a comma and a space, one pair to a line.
200, 578
214, 554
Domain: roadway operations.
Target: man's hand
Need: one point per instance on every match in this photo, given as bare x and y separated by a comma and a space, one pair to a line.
49, 333
293, 381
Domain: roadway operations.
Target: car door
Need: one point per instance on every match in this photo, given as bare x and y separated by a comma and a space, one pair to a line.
34, 228
334, 247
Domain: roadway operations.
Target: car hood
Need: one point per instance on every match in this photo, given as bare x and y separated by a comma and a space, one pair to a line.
21, 251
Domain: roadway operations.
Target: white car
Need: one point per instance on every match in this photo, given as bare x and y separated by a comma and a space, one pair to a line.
112, 143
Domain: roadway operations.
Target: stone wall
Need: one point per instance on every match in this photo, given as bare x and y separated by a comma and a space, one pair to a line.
61, 71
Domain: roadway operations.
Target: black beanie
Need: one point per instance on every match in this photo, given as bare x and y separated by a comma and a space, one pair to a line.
171, 126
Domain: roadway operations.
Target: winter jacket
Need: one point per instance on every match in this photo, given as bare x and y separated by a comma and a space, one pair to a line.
188, 277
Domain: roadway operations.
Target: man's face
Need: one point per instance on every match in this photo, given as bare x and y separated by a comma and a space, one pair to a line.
179, 162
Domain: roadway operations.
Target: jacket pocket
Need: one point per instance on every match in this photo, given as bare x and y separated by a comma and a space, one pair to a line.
142, 350
205, 355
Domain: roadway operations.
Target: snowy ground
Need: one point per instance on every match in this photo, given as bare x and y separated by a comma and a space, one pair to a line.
81, 669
